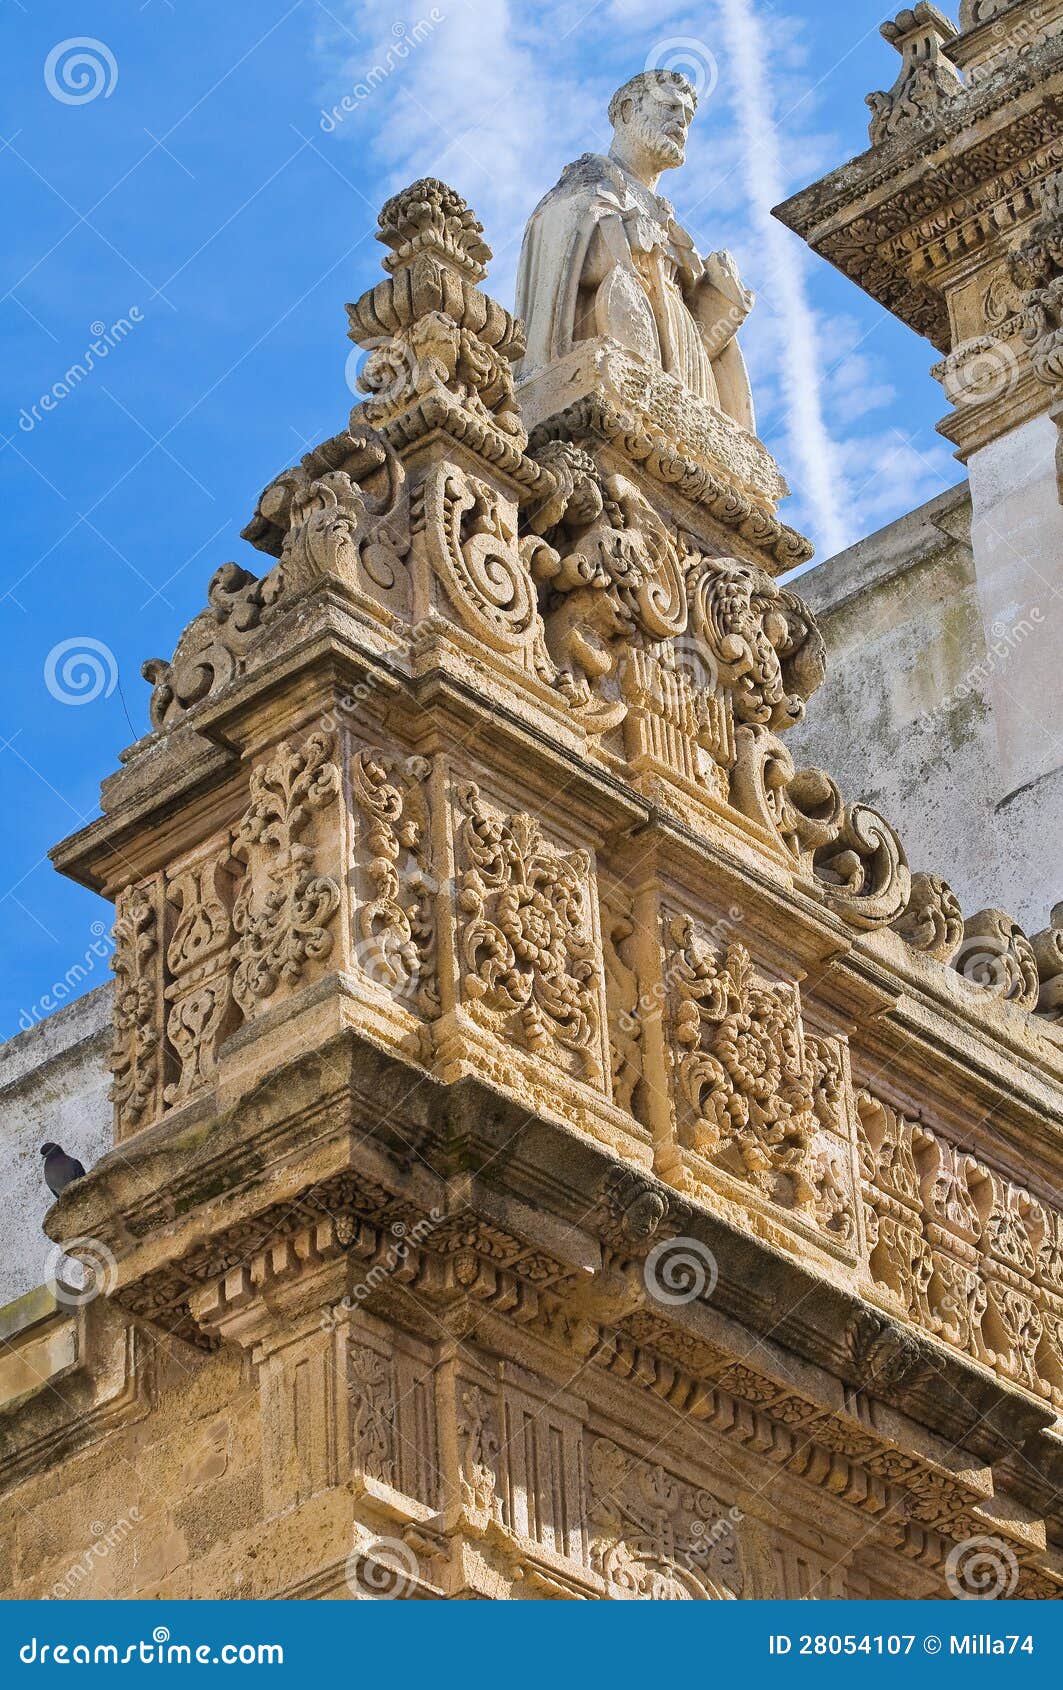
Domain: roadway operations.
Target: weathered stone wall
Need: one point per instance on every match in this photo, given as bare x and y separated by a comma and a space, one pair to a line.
922, 696
54, 1081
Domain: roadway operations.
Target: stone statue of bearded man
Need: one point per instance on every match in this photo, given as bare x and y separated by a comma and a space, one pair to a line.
603, 255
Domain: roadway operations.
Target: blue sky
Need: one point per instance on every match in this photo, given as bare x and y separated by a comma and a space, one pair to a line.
209, 213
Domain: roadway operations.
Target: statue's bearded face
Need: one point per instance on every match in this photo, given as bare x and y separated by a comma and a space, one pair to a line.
659, 119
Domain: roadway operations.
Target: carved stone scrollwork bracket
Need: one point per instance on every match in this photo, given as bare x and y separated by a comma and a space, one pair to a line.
847, 853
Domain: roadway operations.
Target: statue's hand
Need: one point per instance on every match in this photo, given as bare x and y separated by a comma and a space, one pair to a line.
721, 272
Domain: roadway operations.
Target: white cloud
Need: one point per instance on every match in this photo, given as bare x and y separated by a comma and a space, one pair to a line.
498, 96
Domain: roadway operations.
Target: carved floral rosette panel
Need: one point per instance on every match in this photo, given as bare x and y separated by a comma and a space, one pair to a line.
528, 953
758, 1098
230, 928
743, 1086
962, 1250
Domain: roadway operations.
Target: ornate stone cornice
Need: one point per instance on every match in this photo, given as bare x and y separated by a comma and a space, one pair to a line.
929, 193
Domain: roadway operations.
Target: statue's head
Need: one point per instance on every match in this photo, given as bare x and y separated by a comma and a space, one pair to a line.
652, 113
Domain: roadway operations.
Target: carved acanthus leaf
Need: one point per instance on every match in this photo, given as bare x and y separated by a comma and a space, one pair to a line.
996, 957
341, 511
760, 639
851, 856
211, 650
932, 920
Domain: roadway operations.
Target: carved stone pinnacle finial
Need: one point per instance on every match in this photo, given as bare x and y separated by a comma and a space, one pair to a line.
926, 79
430, 217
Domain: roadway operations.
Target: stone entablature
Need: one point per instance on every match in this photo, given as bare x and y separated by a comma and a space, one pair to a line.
960, 174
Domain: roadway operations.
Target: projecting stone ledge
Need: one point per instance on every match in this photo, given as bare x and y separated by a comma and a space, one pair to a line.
603, 394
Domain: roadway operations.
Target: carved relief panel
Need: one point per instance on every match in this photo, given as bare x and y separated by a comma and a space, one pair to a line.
138, 1059
395, 885
743, 1081
527, 949
960, 1249
200, 1008
286, 905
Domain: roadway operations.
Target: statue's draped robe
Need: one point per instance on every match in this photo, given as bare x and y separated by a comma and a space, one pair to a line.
603, 255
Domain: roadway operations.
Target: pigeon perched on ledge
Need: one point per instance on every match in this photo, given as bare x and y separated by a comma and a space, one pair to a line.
60, 1170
